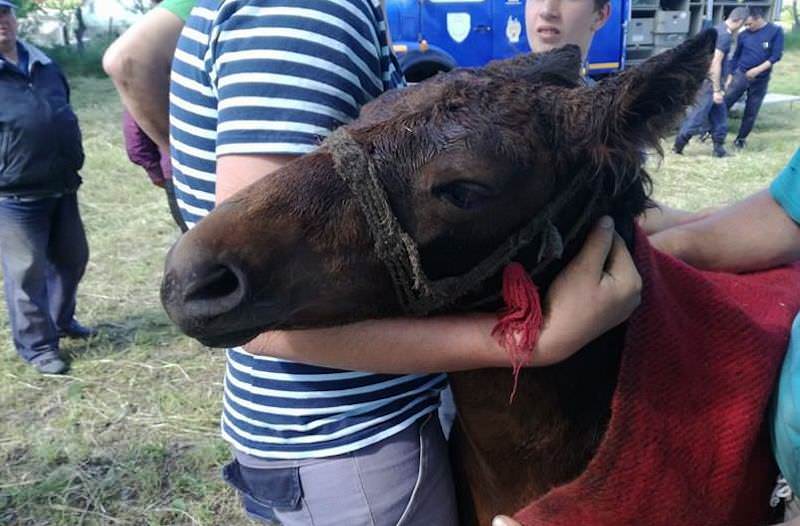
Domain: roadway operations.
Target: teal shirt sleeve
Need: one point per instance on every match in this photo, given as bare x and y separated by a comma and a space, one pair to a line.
785, 189
786, 413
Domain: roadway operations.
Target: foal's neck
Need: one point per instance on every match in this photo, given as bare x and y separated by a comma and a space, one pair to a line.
507, 455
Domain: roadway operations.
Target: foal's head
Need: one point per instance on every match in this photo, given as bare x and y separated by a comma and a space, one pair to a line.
465, 160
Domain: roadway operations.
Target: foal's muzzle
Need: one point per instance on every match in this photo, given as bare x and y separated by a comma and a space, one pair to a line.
201, 292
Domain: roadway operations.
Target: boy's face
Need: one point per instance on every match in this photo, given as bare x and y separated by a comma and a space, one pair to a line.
555, 23
8, 27
754, 23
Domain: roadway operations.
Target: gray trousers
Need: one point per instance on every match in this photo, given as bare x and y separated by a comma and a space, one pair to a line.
404, 480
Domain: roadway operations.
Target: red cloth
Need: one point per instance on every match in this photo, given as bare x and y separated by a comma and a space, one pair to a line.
687, 443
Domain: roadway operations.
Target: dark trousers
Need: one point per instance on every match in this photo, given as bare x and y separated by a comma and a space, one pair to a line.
44, 254
706, 115
756, 90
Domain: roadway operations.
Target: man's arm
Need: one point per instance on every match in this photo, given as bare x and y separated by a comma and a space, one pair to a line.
235, 172
139, 64
777, 46
753, 234
758, 70
715, 73
661, 217
737, 54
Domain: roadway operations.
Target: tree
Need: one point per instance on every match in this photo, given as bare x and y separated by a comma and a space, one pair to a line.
25, 7
65, 10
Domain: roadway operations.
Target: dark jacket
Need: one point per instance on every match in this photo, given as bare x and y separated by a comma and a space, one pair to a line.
40, 140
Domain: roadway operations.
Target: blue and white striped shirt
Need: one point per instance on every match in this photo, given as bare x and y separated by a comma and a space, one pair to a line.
276, 77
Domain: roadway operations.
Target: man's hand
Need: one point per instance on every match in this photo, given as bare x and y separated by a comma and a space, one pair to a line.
597, 291
728, 81
719, 97
752, 73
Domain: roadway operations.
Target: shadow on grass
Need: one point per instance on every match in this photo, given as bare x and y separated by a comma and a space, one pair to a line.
148, 328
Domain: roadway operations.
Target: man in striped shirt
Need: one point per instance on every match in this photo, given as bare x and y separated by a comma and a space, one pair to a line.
254, 84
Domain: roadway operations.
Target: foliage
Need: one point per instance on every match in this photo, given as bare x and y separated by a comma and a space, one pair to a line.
792, 40
88, 64
25, 7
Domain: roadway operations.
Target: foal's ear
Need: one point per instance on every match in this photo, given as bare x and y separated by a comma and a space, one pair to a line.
560, 66
641, 104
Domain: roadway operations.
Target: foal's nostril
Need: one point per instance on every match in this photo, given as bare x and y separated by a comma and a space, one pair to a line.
211, 292
218, 283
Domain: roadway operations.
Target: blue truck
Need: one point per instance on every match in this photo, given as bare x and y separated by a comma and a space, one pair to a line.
437, 35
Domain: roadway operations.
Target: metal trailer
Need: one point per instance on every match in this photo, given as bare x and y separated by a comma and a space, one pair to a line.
438, 35
657, 25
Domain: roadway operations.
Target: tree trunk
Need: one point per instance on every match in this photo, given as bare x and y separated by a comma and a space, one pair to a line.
65, 34
795, 16
80, 30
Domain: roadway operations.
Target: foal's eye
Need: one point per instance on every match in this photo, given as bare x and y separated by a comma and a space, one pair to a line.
463, 194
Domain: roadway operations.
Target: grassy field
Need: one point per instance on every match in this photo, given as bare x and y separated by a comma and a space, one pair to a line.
129, 436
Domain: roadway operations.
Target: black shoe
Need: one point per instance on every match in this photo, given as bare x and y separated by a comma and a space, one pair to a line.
77, 331
719, 150
50, 365
680, 144
739, 144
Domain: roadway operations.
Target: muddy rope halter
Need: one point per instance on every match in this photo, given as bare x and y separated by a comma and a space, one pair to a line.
417, 294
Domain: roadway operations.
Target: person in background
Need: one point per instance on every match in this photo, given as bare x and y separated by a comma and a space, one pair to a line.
711, 99
139, 64
758, 49
43, 244
551, 24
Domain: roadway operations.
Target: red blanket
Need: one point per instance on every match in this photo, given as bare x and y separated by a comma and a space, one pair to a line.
687, 443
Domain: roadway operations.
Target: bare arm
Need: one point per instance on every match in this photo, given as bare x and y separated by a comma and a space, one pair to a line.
715, 71
753, 234
139, 63
662, 217
599, 290
235, 172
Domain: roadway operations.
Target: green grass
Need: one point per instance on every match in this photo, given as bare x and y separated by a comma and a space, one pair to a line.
130, 435
88, 64
696, 180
